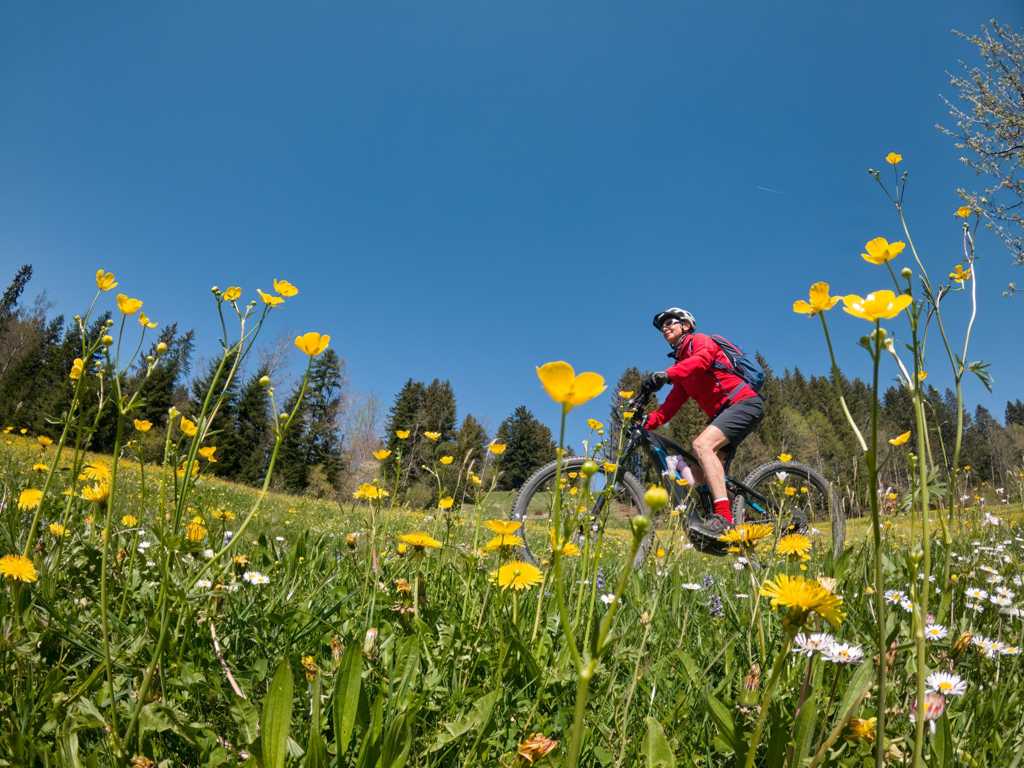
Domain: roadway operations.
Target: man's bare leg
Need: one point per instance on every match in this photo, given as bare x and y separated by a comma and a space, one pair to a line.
706, 446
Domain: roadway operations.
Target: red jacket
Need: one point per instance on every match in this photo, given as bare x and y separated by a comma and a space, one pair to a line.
693, 376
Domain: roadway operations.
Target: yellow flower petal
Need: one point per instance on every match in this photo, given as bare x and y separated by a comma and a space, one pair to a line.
312, 343
285, 288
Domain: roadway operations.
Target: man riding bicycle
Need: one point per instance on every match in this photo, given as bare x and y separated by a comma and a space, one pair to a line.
703, 372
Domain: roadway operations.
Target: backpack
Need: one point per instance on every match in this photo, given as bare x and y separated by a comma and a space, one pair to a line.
743, 365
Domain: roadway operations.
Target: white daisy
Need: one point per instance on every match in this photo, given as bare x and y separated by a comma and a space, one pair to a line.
204, 584
1001, 601
988, 647
906, 605
256, 578
946, 684
935, 632
608, 598
691, 586
973, 593
894, 596
843, 653
807, 645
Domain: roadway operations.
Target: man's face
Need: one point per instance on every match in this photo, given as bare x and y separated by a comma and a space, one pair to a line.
673, 331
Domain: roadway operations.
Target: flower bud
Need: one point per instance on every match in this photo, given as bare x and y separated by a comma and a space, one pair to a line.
215, 290
161, 347
264, 381
150, 359
107, 340
906, 273
656, 498
173, 413
589, 468
370, 641
641, 524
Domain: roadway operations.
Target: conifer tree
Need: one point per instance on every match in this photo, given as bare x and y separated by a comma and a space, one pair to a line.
254, 427
471, 440
322, 406
221, 433
291, 458
528, 446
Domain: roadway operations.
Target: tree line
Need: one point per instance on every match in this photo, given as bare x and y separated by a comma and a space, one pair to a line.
802, 418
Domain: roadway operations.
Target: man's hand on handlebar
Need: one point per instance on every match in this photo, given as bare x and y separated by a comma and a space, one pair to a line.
655, 381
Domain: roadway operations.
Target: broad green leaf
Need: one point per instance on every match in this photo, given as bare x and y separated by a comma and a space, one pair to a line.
346, 696
804, 730
247, 719
277, 717
316, 750
476, 719
656, 746
942, 744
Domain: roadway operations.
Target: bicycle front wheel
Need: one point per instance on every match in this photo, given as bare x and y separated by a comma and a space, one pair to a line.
794, 495
535, 500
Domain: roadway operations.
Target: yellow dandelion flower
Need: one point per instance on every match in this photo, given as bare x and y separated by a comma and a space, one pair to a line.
38, 467
595, 425
57, 530
803, 597
223, 514
789, 490
446, 503
44, 441
29, 499
862, 729
18, 568
96, 492
517, 575
129, 521
794, 544
503, 527
420, 540
432, 436
747, 533
195, 531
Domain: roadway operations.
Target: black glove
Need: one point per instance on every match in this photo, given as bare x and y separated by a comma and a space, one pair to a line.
656, 381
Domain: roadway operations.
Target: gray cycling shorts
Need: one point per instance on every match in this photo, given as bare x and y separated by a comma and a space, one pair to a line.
738, 421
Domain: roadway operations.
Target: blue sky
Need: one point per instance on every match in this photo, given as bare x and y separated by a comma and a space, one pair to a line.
465, 190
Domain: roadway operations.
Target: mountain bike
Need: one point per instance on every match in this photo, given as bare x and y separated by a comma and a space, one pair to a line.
789, 495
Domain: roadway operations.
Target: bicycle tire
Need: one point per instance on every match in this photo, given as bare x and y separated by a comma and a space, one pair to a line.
768, 471
546, 473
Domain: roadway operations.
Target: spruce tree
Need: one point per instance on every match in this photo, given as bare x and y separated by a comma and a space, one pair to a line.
1015, 412
404, 415
292, 471
629, 381
471, 441
255, 428
223, 403
528, 446
323, 414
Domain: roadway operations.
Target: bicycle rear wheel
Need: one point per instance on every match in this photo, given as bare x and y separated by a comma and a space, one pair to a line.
534, 503
795, 495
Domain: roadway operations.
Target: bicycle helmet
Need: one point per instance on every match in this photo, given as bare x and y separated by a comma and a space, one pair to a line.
674, 313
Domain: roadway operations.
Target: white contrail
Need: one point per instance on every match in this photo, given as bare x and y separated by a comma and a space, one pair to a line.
769, 189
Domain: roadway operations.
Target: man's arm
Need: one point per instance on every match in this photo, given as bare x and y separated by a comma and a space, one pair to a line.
675, 400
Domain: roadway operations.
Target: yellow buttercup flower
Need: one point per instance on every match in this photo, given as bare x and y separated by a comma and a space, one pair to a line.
803, 597
595, 425
497, 448
142, 425
381, 454
77, 368
960, 274
105, 281
128, 305
785, 457
877, 305
820, 301
207, 452
285, 288
223, 514
517, 575
18, 568
922, 375
44, 441
899, 439
789, 490
420, 540
312, 343
129, 521
446, 460
432, 436
503, 527
269, 299
232, 293
57, 530
96, 472
963, 211
609, 467
566, 388
38, 467
188, 427
894, 158
880, 250
446, 503
625, 394
402, 434
29, 499
145, 322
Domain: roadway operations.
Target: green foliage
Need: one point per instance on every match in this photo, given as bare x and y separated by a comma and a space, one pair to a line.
529, 446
